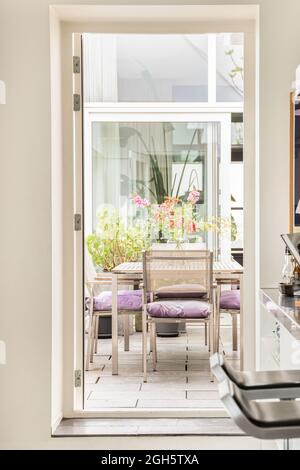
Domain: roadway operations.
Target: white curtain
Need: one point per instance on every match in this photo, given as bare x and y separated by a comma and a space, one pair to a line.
101, 85
100, 68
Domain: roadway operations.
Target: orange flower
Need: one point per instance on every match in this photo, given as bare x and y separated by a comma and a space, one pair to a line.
171, 201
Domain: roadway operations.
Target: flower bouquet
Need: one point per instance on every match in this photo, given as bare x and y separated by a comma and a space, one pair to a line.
177, 221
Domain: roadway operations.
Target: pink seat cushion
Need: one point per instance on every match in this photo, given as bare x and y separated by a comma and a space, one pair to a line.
230, 300
178, 309
127, 300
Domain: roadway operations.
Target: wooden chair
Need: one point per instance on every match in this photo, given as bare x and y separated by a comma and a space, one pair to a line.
228, 302
178, 287
94, 288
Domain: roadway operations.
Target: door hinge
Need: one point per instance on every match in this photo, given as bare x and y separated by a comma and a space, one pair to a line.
76, 102
76, 64
77, 222
77, 378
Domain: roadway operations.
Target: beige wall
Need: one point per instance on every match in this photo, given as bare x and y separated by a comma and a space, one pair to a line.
25, 195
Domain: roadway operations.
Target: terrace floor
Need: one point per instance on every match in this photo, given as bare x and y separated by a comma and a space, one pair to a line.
182, 379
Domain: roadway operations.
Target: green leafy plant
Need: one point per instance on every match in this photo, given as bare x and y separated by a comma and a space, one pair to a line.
112, 243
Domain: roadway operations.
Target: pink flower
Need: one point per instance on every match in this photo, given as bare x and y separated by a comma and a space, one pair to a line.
192, 227
194, 196
140, 202
165, 208
179, 222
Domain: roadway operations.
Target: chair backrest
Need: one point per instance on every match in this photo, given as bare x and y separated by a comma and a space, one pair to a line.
223, 370
164, 269
90, 273
238, 411
89, 268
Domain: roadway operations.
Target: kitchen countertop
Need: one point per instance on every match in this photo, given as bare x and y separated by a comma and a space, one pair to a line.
286, 310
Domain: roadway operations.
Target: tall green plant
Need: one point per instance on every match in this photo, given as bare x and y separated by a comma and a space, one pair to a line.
186, 161
162, 189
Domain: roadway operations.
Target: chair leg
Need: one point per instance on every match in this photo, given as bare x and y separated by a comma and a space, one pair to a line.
217, 331
93, 338
144, 346
211, 336
89, 343
205, 334
153, 341
96, 335
114, 326
217, 328
234, 332
126, 332
151, 338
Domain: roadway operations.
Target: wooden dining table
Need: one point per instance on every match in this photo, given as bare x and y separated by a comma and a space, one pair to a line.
223, 273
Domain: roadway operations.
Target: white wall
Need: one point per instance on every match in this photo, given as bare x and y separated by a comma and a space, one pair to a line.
57, 224
25, 195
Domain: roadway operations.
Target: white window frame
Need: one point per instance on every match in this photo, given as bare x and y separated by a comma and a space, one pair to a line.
158, 113
143, 19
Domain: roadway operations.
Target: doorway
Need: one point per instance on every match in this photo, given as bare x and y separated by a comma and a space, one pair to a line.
157, 150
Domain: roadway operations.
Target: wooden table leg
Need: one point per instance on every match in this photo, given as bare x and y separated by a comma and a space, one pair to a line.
241, 325
218, 319
114, 324
126, 332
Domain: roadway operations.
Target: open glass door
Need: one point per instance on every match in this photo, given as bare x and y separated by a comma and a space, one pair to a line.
140, 167
134, 165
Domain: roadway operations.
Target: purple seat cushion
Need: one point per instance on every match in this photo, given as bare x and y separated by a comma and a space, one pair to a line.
178, 309
230, 300
127, 300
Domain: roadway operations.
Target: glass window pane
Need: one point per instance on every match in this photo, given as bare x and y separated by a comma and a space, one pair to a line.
237, 134
237, 203
230, 67
153, 159
145, 68
237, 229
159, 162
237, 192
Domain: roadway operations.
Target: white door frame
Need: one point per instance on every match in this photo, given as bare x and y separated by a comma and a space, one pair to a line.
78, 210
194, 23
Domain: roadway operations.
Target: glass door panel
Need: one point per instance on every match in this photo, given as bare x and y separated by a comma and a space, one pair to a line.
161, 180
